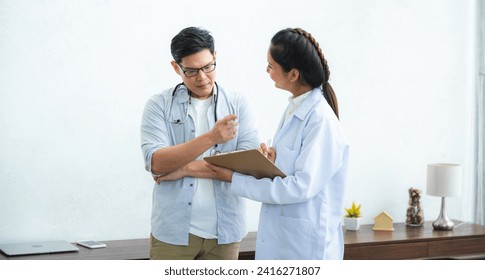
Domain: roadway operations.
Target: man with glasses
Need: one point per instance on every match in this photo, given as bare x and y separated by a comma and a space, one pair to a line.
194, 216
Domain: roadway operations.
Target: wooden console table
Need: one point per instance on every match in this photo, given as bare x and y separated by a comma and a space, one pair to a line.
464, 241
133, 249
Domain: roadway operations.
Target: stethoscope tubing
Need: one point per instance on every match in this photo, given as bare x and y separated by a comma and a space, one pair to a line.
216, 97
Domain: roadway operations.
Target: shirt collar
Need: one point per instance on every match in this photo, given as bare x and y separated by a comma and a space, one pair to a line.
312, 98
296, 101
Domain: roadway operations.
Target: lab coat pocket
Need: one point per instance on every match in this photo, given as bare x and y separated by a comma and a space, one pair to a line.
295, 238
285, 160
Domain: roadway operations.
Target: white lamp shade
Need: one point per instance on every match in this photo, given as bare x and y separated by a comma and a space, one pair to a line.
444, 179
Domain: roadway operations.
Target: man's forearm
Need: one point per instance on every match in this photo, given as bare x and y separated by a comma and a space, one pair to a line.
170, 159
196, 169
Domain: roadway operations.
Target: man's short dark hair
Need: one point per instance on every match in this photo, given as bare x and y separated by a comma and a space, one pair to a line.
189, 41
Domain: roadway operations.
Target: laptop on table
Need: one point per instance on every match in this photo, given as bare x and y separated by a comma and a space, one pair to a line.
34, 248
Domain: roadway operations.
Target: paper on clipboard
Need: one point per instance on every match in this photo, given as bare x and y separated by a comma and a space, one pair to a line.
248, 162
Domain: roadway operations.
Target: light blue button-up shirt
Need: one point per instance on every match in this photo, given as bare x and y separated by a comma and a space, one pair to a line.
301, 214
172, 200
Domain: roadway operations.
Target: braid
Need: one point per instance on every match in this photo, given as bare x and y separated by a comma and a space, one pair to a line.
327, 89
317, 48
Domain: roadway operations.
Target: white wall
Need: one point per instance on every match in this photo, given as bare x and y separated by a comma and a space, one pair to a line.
75, 75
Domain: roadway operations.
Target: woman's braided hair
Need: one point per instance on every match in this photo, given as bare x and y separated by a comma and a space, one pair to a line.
296, 48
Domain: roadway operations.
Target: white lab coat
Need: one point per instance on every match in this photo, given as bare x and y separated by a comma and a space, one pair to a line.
301, 214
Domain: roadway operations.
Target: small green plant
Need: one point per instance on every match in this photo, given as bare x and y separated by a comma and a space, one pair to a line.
353, 212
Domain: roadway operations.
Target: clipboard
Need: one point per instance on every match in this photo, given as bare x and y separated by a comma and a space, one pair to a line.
249, 162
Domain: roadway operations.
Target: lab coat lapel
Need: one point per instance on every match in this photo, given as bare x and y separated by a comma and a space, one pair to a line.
280, 128
300, 113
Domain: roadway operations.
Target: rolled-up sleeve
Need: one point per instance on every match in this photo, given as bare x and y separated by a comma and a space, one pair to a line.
153, 130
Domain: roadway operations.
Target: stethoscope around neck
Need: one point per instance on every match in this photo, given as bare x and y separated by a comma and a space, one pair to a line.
215, 95
179, 121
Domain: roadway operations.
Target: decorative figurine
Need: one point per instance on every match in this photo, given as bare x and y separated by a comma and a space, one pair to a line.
383, 222
414, 214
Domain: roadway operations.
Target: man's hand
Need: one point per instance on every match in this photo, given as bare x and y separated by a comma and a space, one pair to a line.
172, 176
224, 129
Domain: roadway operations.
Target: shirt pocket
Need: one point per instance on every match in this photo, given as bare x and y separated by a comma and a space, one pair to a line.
181, 133
295, 238
229, 146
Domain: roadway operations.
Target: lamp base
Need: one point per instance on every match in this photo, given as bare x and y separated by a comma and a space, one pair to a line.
443, 224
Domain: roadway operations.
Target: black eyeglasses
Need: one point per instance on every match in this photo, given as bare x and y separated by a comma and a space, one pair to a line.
192, 72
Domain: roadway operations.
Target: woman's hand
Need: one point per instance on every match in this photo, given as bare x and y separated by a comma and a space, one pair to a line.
268, 152
220, 173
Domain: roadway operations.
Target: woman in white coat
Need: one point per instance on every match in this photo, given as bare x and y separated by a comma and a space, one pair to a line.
301, 214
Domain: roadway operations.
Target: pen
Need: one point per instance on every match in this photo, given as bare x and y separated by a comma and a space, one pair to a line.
268, 144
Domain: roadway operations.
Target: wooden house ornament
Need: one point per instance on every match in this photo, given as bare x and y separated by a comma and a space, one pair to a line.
383, 222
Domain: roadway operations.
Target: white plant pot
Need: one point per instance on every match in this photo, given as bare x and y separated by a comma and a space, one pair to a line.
352, 223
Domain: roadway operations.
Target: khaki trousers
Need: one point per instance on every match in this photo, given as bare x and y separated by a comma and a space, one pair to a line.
198, 249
